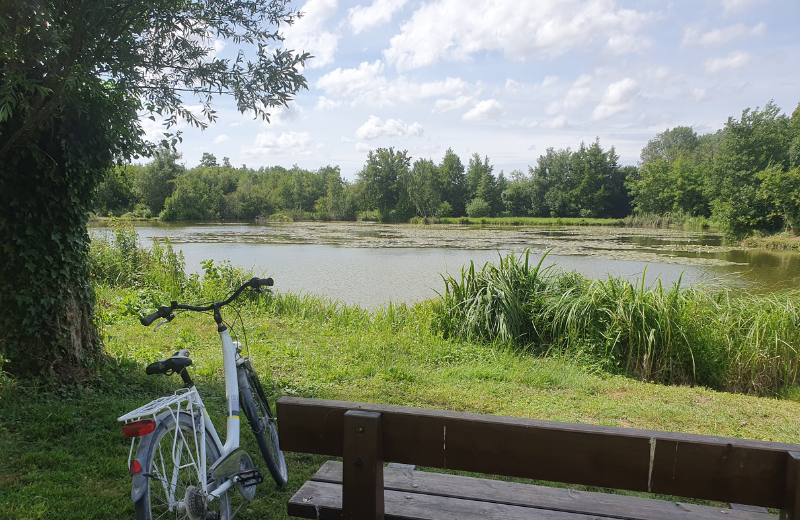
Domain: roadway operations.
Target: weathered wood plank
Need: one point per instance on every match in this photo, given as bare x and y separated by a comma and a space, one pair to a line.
745, 507
323, 500
541, 497
696, 466
362, 473
791, 500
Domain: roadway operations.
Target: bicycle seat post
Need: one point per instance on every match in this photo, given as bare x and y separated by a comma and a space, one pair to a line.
187, 379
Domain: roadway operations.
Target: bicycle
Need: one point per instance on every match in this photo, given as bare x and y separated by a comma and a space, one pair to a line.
181, 467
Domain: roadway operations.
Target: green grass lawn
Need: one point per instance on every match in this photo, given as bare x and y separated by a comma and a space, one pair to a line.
62, 453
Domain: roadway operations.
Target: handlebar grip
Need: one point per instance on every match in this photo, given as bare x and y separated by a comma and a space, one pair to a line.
162, 312
262, 282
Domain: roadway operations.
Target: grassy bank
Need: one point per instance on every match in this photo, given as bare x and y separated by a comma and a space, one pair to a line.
63, 454
522, 221
778, 241
669, 220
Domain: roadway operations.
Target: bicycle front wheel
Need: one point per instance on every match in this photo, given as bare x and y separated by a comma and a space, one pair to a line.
171, 464
256, 407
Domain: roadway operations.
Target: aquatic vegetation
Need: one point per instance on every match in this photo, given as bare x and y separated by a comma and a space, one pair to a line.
714, 337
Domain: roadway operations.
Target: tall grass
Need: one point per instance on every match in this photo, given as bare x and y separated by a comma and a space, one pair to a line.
666, 220
717, 338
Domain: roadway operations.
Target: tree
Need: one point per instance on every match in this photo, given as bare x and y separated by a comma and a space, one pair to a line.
209, 160
424, 189
116, 192
517, 195
156, 182
759, 141
651, 187
454, 182
382, 176
670, 144
75, 75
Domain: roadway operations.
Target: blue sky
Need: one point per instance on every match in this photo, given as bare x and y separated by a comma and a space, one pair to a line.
510, 78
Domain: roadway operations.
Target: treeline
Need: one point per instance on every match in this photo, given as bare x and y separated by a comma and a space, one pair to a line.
745, 176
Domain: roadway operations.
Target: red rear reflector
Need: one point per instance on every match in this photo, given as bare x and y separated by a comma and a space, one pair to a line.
138, 428
135, 467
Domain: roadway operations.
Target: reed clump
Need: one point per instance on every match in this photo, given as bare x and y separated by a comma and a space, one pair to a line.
712, 337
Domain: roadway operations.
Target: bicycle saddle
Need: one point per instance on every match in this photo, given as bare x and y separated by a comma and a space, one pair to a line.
172, 365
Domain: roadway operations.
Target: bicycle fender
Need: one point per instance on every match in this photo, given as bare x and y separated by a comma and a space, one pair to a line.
140, 480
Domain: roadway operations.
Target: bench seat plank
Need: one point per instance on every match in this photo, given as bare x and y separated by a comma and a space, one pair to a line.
323, 501
471, 493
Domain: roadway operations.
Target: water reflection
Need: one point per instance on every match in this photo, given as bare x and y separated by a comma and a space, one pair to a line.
372, 264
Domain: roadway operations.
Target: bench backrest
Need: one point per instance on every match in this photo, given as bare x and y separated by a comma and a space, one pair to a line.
694, 466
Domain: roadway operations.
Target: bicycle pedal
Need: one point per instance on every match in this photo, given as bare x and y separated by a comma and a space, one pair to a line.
212, 516
249, 477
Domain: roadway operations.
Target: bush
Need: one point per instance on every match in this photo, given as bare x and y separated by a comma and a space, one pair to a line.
478, 208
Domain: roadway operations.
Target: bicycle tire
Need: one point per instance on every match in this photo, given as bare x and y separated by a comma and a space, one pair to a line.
156, 458
256, 408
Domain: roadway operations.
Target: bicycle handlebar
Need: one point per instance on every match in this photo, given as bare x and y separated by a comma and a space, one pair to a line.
165, 311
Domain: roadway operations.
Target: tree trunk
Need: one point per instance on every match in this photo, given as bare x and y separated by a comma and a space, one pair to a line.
46, 323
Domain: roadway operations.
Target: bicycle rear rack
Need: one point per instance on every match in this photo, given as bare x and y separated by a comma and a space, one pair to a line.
181, 401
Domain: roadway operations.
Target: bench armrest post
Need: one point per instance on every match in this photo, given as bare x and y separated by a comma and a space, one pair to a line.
362, 490
791, 502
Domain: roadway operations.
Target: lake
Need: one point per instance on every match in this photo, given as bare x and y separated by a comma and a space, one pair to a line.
372, 264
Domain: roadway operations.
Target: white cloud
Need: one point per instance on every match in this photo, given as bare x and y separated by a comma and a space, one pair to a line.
548, 80
578, 95
693, 37
221, 139
308, 34
556, 122
627, 44
618, 97
700, 94
452, 30
268, 143
445, 105
324, 104
362, 147
513, 86
379, 13
488, 109
366, 85
736, 6
219, 45
656, 75
375, 128
734, 60
284, 114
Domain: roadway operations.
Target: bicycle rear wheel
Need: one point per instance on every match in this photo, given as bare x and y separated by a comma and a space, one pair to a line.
170, 466
256, 408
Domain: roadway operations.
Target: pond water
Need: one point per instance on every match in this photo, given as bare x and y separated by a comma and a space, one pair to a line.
372, 264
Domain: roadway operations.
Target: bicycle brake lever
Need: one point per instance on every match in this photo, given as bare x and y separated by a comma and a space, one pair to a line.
169, 319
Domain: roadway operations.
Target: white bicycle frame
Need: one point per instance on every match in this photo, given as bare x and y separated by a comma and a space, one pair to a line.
188, 401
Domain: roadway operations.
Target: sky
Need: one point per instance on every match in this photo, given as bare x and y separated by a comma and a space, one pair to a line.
508, 79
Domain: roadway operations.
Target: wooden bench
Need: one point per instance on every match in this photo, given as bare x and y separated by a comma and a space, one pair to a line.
752, 473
